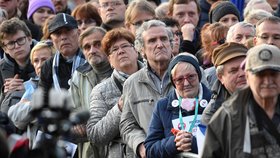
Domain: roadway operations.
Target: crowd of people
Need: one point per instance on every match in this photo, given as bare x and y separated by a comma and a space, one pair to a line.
158, 77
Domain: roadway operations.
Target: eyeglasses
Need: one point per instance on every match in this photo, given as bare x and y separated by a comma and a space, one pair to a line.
181, 80
86, 22
139, 23
112, 4
123, 47
11, 45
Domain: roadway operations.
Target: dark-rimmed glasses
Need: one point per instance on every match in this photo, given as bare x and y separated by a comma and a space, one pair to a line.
116, 49
20, 41
180, 80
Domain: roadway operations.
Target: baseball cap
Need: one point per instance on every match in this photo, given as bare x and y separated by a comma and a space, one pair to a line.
228, 51
62, 20
263, 57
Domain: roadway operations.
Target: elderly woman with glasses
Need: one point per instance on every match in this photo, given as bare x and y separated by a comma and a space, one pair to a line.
105, 102
175, 118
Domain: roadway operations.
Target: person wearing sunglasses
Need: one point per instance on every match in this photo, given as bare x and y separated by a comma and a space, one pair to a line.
15, 68
179, 111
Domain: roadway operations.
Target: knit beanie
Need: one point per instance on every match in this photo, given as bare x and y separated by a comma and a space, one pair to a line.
36, 4
222, 9
184, 58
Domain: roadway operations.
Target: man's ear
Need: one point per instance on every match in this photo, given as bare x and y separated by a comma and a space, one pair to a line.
220, 77
255, 40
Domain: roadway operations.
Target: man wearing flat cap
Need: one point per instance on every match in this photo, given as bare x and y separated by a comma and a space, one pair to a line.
57, 71
227, 59
248, 124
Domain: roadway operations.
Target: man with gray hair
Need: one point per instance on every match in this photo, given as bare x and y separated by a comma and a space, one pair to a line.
240, 32
248, 123
144, 88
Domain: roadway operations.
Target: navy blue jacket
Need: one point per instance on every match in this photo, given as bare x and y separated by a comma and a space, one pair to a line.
160, 140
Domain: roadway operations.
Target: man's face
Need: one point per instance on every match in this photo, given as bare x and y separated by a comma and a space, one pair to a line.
91, 46
186, 13
242, 34
60, 5
186, 80
123, 55
233, 77
268, 33
112, 11
17, 46
264, 84
157, 46
176, 39
65, 40
10, 6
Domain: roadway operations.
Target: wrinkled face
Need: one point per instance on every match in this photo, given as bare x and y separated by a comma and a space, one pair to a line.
157, 46
10, 6
242, 34
233, 77
229, 20
65, 40
138, 20
112, 11
186, 13
122, 55
264, 84
60, 5
40, 15
268, 33
39, 57
17, 46
176, 39
186, 80
92, 49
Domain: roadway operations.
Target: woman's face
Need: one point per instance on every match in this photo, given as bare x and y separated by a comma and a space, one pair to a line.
39, 57
84, 23
41, 14
229, 20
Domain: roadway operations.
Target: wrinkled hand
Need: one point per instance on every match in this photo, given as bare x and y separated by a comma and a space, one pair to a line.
13, 84
188, 31
120, 103
142, 150
183, 141
80, 130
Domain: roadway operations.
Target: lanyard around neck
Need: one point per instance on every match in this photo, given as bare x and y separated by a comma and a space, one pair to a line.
181, 117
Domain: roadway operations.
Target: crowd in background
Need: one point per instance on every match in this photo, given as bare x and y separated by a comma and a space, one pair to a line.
158, 77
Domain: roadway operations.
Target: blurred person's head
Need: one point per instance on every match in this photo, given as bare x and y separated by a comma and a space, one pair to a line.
257, 4
112, 12
10, 6
212, 35
268, 31
177, 34
3, 15
224, 12
184, 11
40, 53
60, 5
255, 15
39, 11
273, 3
45, 28
86, 15
137, 12
240, 32
162, 10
